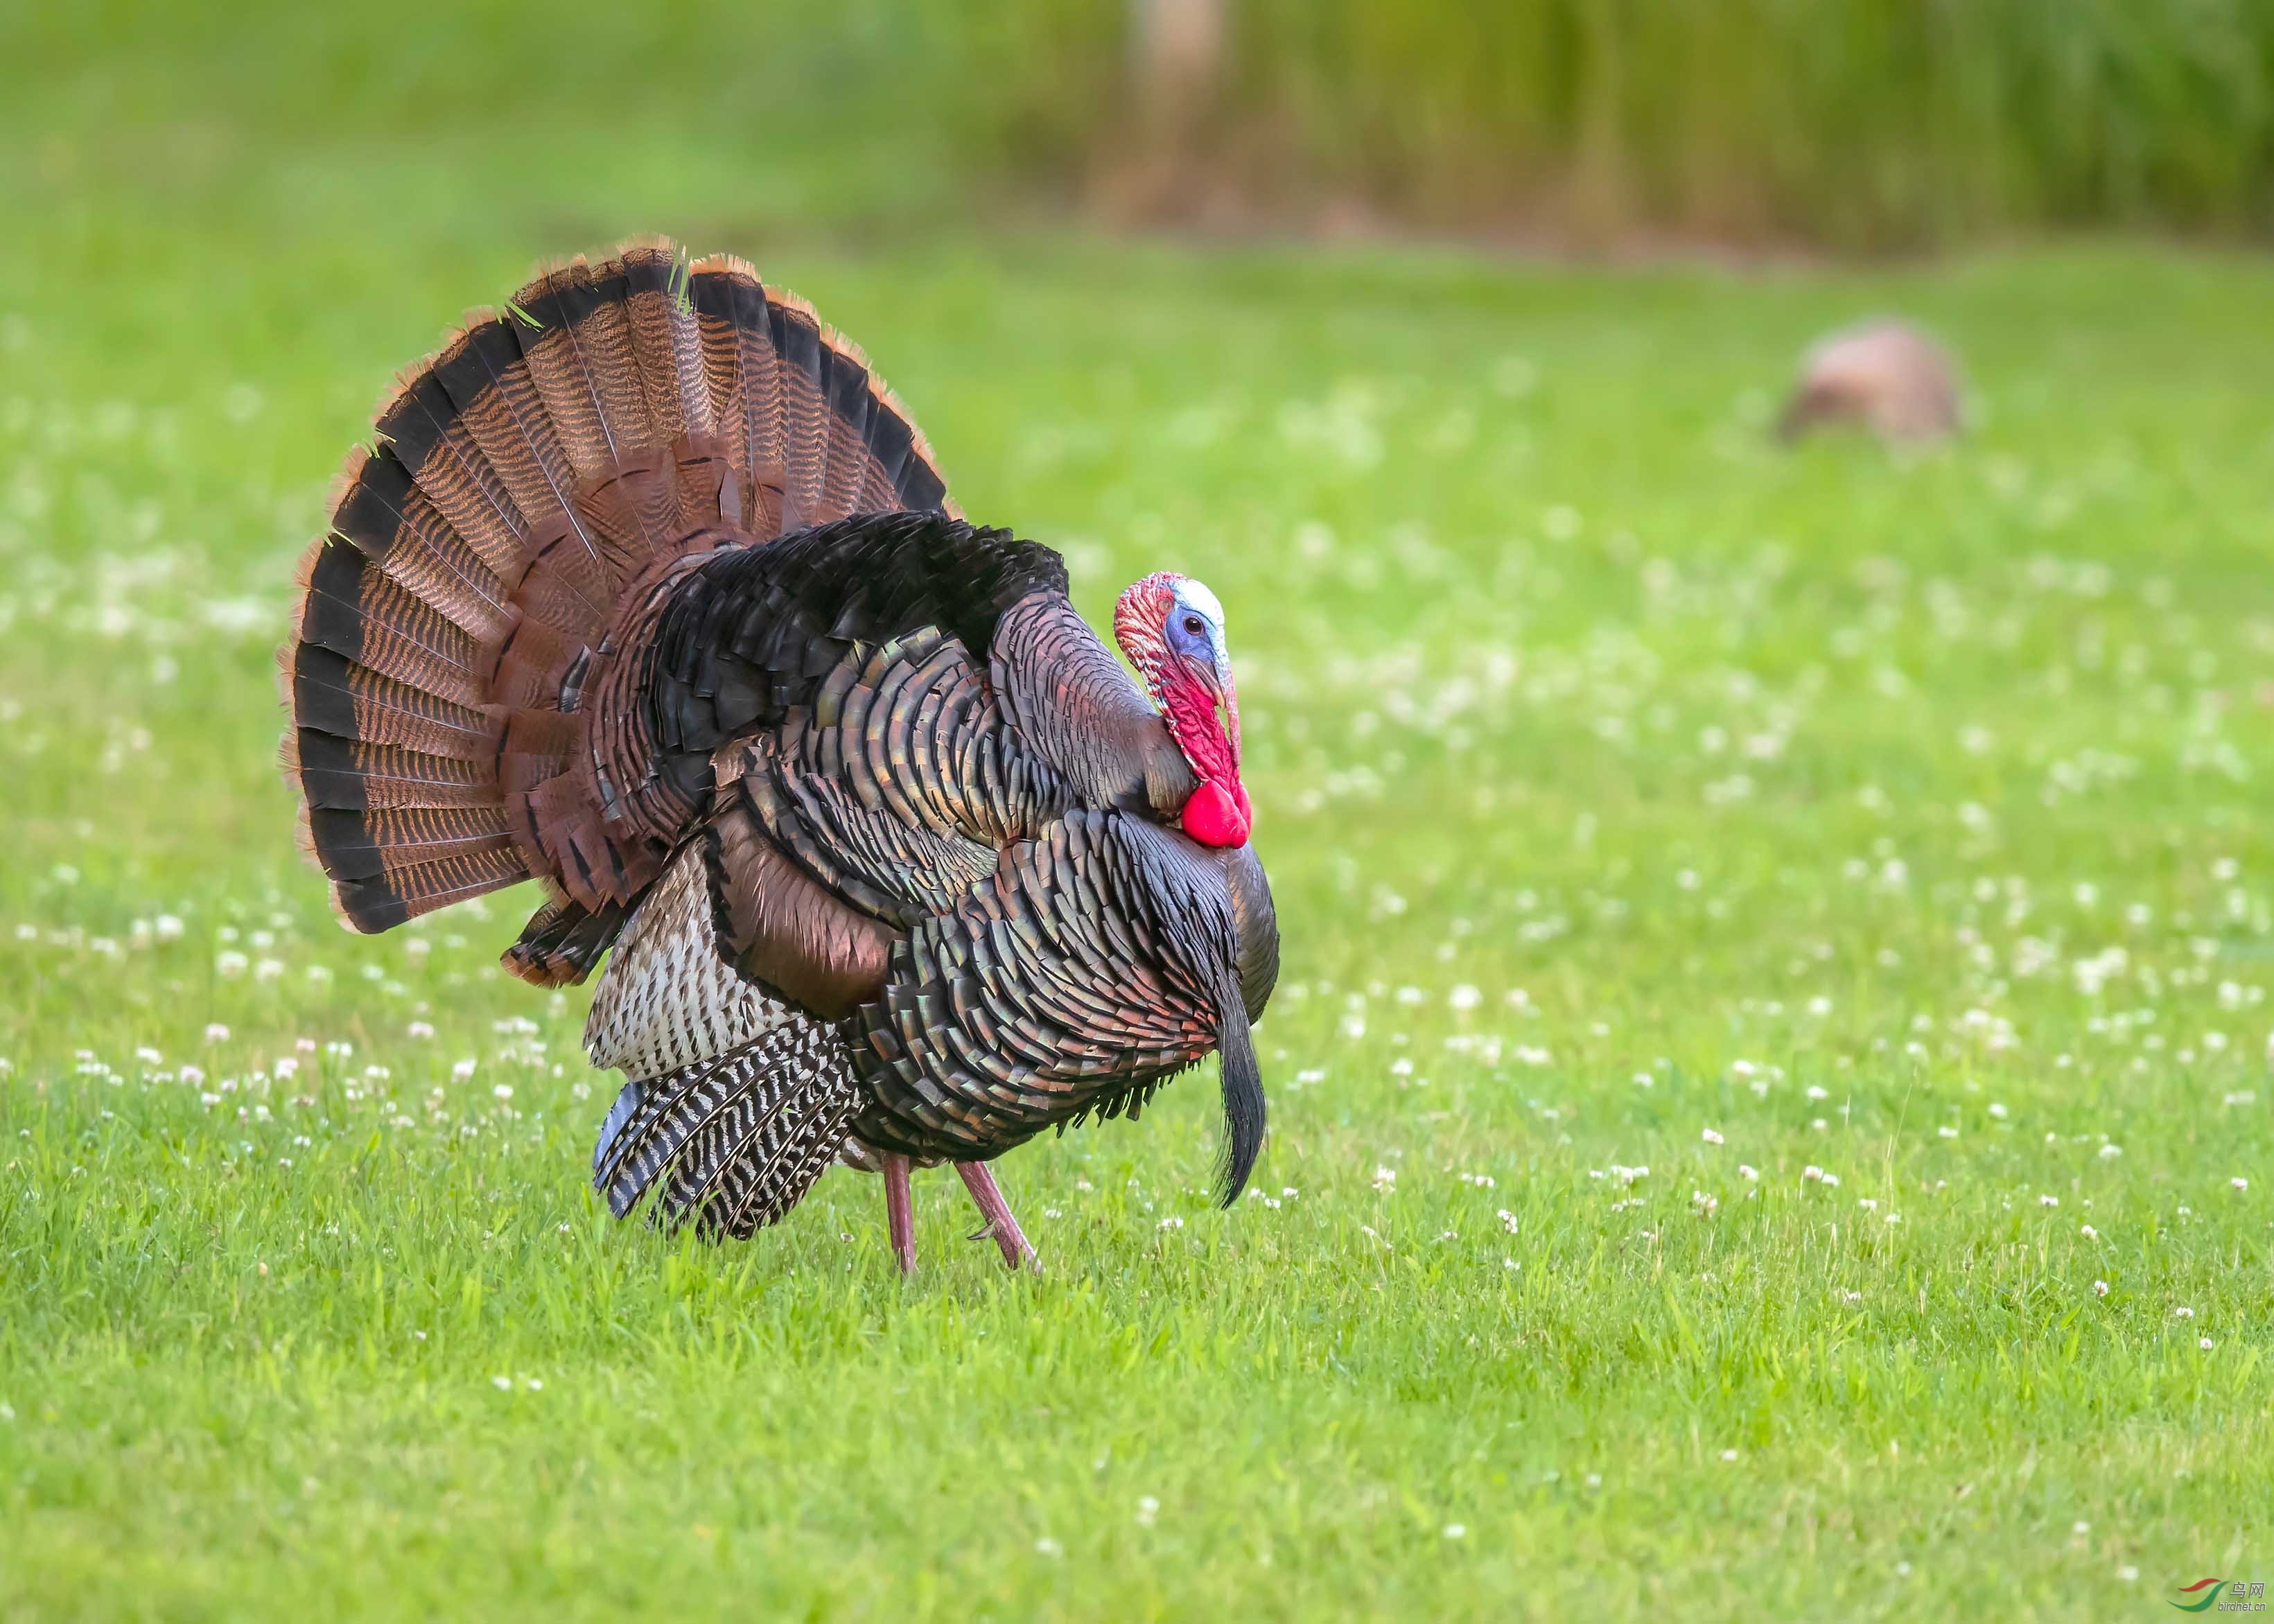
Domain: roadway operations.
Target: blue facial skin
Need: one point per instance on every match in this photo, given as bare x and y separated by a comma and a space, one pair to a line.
1194, 641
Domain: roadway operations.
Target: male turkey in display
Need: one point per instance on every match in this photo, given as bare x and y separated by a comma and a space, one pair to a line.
650, 590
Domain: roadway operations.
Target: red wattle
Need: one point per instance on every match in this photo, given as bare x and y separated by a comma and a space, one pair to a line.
1213, 817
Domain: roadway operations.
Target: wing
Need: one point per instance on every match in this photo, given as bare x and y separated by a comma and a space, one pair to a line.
1100, 959
872, 711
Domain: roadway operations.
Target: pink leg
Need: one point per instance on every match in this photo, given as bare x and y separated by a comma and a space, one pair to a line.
997, 1211
900, 1215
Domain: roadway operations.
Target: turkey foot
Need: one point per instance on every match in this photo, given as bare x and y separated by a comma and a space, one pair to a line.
997, 1211
900, 1215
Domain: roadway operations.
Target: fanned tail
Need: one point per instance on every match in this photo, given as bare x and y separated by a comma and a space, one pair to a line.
491, 555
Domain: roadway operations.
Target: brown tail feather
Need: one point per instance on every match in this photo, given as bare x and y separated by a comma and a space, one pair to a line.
497, 549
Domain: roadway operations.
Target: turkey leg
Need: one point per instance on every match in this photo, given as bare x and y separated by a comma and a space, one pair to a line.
900, 1215
997, 1211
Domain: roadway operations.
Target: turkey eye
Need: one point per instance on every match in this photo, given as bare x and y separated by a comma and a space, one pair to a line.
1194, 625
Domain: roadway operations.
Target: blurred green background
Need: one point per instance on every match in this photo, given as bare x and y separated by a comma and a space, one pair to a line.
1661, 818
1861, 125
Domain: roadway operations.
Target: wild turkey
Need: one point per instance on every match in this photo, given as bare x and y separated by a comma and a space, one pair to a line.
650, 590
1885, 376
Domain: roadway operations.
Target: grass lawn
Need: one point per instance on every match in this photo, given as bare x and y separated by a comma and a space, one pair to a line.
1770, 1111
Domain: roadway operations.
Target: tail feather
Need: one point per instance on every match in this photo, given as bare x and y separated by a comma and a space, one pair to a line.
561, 942
334, 695
342, 775
484, 551
555, 351
403, 894
390, 521
499, 404
801, 372
368, 846
420, 430
356, 613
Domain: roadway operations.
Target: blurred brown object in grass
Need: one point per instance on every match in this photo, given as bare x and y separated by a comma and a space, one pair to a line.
1884, 375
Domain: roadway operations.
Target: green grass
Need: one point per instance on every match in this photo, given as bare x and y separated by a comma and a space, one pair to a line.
1938, 786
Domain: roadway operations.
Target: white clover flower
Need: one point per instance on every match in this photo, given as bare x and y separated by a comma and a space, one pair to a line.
1385, 1181
1464, 998
2049, 1201
1810, 1174
1713, 1138
2205, 1344
503, 1090
420, 1029
2183, 1313
463, 1070
2089, 1232
1751, 1175
2100, 1287
2109, 1152
2239, 1182
1507, 1220
231, 963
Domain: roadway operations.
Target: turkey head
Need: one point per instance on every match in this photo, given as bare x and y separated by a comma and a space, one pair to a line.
1171, 628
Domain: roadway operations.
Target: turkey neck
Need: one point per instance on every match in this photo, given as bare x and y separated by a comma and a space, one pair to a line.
1077, 708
